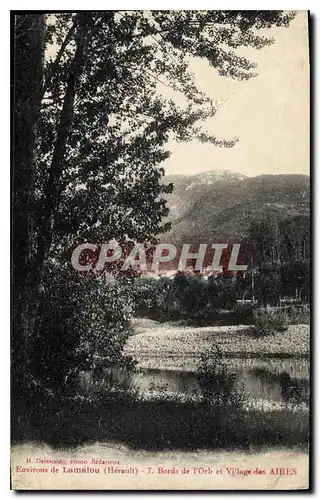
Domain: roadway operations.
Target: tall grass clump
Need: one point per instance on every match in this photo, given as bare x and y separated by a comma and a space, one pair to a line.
268, 320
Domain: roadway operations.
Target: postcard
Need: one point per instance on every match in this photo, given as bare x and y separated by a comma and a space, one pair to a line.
160, 319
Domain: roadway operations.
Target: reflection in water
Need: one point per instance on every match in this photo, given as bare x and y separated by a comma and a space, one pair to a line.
291, 390
277, 381
283, 387
258, 383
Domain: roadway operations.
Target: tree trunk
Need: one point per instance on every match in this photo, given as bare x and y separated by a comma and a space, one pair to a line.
30, 248
29, 37
53, 187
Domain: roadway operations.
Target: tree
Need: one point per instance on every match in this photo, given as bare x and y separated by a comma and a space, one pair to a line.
265, 239
222, 291
295, 238
268, 284
28, 73
296, 278
103, 126
287, 242
120, 123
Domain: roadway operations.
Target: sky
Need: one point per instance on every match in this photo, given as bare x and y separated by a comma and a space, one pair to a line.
269, 113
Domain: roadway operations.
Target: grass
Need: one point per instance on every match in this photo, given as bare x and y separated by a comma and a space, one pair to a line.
160, 425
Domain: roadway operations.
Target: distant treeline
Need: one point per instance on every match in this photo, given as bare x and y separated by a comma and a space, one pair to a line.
217, 298
279, 241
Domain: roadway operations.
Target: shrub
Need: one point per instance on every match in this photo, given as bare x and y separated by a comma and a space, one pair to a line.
269, 320
83, 325
243, 313
217, 384
298, 314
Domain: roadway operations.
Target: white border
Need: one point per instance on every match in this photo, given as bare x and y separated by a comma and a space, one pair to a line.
5, 182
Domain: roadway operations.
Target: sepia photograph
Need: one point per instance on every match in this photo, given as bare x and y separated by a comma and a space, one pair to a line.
161, 250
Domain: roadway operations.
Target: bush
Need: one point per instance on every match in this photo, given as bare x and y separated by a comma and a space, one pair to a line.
83, 325
269, 320
217, 384
298, 314
243, 313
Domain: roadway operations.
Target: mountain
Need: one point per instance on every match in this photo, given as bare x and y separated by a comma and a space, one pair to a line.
188, 189
216, 206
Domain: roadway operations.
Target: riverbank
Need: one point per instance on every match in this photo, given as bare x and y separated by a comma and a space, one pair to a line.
158, 423
170, 346
97, 413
